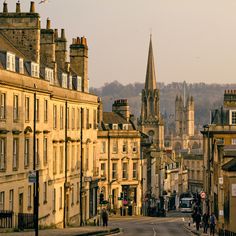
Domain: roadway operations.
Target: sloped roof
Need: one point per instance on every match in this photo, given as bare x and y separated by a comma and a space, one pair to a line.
6, 45
113, 118
230, 166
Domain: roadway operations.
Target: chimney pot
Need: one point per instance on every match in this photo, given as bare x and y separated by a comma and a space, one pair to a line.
78, 40
63, 34
5, 10
18, 7
48, 24
32, 7
56, 33
74, 41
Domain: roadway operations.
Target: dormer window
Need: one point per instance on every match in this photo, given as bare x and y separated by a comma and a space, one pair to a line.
70, 81
64, 80
21, 66
115, 126
79, 85
125, 127
11, 61
49, 75
232, 117
35, 69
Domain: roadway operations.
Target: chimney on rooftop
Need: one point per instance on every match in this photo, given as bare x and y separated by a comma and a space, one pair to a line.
5, 10
18, 7
32, 7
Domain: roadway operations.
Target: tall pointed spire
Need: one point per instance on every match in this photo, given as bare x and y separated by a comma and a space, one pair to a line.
150, 82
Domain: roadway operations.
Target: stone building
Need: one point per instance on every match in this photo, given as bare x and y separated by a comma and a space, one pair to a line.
193, 164
219, 139
46, 112
152, 125
118, 159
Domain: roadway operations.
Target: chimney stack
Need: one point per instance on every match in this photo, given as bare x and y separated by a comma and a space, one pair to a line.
5, 10
48, 24
18, 7
63, 34
32, 7
56, 34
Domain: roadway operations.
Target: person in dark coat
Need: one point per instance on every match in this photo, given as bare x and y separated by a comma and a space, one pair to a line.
212, 224
198, 220
104, 217
205, 221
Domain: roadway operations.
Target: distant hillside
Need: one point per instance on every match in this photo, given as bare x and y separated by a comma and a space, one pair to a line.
206, 97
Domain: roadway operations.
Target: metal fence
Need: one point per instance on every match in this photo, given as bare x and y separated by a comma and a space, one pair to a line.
8, 219
223, 232
25, 221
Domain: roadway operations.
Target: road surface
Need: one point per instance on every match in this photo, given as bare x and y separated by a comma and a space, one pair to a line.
172, 225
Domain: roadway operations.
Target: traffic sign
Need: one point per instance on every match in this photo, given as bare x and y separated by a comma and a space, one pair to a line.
32, 177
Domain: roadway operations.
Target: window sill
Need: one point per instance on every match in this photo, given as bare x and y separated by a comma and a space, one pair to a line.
3, 170
15, 169
29, 208
45, 202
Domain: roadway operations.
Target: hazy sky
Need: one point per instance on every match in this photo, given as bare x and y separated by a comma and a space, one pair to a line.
193, 40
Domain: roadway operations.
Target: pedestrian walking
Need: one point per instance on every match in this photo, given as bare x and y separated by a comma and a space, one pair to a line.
198, 220
212, 224
104, 217
205, 221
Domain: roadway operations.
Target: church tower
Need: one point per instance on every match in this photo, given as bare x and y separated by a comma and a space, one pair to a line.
150, 120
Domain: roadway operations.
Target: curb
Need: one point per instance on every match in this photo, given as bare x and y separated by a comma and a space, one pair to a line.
191, 230
101, 232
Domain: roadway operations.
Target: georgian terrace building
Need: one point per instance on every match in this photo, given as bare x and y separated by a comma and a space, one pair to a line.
34, 72
118, 158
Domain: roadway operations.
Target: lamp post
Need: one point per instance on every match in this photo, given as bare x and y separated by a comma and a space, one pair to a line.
208, 170
81, 167
36, 183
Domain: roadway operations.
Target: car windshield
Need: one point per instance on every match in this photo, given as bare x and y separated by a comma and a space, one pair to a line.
185, 203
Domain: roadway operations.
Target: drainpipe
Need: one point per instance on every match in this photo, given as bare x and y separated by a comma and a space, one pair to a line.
81, 167
65, 183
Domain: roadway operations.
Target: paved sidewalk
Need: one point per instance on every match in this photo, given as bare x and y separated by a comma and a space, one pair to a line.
72, 231
192, 229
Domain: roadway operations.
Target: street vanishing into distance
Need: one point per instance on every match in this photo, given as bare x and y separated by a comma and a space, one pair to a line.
172, 224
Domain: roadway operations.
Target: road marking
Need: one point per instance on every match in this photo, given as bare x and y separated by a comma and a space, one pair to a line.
154, 231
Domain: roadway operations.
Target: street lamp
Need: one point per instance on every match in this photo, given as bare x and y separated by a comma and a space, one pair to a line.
208, 182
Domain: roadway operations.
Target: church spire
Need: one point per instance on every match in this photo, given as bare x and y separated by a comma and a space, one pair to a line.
150, 82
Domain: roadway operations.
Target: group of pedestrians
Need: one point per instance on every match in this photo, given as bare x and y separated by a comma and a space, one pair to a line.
206, 220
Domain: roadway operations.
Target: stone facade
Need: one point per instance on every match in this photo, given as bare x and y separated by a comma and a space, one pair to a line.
118, 155
34, 73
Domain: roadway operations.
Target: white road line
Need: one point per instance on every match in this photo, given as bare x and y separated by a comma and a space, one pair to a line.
154, 231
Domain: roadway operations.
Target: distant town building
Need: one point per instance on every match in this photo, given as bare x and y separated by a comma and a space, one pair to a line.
118, 158
219, 139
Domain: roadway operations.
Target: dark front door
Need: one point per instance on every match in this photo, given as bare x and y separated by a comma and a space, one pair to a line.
21, 202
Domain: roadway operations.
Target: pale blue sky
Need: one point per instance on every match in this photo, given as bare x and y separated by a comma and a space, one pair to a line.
193, 40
